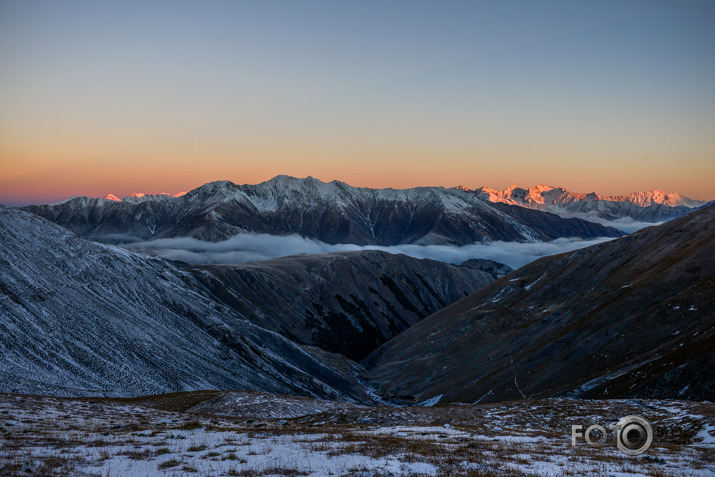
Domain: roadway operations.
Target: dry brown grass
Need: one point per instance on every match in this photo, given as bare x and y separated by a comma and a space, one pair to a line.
190, 426
197, 448
175, 402
167, 464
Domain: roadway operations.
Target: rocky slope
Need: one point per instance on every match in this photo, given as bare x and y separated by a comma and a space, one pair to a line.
80, 318
651, 206
629, 317
345, 302
330, 212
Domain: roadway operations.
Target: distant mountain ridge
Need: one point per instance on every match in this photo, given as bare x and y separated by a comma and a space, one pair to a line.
142, 195
654, 205
330, 212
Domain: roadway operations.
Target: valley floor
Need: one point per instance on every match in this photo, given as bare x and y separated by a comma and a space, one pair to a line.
212, 433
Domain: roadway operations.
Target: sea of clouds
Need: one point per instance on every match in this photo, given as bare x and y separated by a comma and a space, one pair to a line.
250, 247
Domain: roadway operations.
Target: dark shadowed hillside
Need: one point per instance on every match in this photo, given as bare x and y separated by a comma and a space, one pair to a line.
630, 317
345, 302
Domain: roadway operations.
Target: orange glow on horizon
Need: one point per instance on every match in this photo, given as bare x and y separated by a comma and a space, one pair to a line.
39, 172
97, 179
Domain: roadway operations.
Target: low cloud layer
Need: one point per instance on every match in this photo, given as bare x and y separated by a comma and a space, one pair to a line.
256, 247
626, 224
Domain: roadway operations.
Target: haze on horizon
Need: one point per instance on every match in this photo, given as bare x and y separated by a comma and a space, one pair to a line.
122, 97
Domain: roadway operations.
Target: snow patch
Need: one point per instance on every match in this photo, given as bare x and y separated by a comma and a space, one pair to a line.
431, 401
707, 435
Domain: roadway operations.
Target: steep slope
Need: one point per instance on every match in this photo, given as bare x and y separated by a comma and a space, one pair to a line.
629, 317
330, 212
345, 302
80, 318
651, 206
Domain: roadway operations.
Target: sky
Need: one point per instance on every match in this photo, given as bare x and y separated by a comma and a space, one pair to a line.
163, 96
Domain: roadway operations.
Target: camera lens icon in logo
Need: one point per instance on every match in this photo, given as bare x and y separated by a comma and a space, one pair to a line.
634, 435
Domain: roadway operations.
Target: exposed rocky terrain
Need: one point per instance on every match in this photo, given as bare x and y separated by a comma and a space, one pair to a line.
330, 212
626, 318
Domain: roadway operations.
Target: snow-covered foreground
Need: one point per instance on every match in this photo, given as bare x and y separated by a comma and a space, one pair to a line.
139, 437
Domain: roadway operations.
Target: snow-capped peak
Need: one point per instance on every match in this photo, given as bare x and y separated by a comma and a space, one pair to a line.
644, 199
142, 196
539, 194
654, 205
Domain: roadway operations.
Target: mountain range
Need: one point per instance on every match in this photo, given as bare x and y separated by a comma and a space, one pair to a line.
329, 212
82, 318
631, 317
651, 206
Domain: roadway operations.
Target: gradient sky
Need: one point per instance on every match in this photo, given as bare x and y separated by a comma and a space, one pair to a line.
152, 96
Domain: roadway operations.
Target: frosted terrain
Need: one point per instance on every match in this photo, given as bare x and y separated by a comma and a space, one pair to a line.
309, 437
